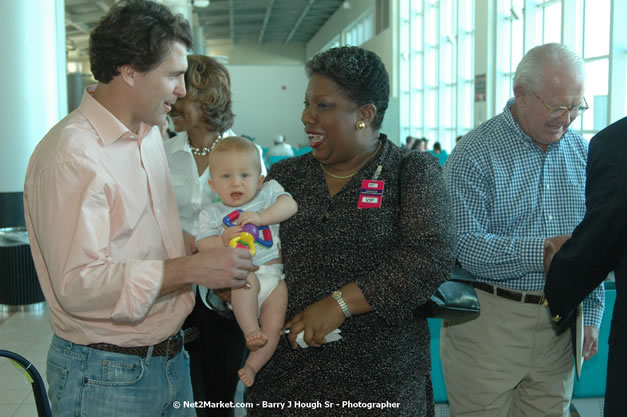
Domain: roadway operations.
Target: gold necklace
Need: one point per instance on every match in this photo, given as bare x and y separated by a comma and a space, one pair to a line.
343, 177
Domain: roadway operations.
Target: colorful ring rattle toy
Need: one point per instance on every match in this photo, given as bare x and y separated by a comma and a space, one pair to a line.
250, 234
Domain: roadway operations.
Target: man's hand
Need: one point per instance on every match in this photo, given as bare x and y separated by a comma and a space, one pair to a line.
590, 342
211, 268
551, 246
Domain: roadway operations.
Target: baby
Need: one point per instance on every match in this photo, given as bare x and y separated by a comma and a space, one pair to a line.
235, 169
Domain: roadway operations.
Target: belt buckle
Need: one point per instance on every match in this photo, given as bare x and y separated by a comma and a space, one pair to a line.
543, 301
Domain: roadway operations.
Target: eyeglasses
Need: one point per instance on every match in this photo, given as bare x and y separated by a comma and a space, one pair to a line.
559, 111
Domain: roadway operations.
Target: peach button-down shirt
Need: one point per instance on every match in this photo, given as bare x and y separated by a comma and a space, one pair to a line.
102, 218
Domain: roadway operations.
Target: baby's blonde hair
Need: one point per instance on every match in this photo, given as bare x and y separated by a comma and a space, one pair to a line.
237, 144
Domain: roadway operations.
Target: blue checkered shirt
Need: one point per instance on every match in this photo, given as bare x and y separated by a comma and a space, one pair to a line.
509, 195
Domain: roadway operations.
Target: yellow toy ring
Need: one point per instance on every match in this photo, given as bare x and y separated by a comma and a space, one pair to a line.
247, 240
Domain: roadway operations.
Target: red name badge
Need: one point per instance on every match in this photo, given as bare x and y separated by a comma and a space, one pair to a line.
371, 194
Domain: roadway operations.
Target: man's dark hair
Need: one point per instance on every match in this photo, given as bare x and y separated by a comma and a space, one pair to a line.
138, 33
360, 74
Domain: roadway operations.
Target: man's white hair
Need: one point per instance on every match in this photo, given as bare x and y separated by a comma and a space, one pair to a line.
532, 68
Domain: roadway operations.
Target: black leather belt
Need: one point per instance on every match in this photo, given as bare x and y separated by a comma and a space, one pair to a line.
168, 348
511, 295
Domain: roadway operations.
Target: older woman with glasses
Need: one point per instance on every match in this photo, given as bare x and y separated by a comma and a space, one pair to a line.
517, 185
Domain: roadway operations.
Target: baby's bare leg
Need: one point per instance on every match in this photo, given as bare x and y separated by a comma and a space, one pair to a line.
272, 321
244, 302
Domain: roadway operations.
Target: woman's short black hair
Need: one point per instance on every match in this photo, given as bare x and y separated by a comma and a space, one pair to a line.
360, 74
137, 33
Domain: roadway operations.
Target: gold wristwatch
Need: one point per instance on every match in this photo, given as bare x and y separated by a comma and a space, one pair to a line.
337, 296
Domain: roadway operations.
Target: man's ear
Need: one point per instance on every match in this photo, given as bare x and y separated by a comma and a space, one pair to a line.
520, 92
129, 74
367, 113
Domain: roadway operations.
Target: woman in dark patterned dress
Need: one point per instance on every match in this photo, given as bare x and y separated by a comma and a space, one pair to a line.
385, 260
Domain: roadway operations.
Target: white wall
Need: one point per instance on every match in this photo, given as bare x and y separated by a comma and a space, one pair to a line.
242, 53
267, 100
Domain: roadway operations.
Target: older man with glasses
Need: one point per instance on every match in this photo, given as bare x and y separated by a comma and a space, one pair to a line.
517, 184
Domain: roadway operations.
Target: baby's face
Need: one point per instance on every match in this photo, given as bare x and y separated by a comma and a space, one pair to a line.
235, 177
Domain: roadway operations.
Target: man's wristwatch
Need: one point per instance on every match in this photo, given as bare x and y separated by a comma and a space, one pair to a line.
337, 296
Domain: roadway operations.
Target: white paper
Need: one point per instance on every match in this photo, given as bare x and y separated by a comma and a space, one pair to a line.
334, 336
579, 338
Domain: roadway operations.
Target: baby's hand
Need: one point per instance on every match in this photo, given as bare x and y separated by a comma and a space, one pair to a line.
229, 233
249, 217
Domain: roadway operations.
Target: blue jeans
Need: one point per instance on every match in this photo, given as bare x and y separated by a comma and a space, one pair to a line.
88, 382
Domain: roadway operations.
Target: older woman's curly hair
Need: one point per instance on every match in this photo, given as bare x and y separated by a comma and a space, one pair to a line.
360, 75
208, 82
138, 33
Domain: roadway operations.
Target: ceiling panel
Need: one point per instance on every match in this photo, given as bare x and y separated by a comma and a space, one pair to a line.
262, 21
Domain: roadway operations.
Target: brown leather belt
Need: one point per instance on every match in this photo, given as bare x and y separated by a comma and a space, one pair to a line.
511, 295
168, 348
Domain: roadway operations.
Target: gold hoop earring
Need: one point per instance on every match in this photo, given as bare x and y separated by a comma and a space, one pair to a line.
360, 125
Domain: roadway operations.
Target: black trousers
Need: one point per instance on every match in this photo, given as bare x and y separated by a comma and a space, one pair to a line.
215, 358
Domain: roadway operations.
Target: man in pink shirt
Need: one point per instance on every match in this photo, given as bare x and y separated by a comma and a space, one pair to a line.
105, 232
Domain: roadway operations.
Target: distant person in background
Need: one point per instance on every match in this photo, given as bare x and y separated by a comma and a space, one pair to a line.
419, 145
166, 130
280, 148
202, 117
424, 144
439, 153
409, 142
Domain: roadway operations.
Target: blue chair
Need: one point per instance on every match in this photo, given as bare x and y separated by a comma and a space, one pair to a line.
273, 159
437, 376
302, 150
33, 376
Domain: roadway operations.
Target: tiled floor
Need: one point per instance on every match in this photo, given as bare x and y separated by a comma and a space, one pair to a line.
29, 334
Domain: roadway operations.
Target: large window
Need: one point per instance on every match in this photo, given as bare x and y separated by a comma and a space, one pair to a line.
436, 69
360, 31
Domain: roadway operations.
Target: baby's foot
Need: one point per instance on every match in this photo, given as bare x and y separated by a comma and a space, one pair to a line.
255, 340
247, 375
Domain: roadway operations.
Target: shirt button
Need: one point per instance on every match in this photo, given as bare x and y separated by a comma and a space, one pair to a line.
158, 211
549, 217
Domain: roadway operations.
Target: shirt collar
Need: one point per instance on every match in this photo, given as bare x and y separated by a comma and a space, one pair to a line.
108, 127
180, 143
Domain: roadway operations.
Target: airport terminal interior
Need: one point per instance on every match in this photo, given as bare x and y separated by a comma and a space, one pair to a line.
450, 62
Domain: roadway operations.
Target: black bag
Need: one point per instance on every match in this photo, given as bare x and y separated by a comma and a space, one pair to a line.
455, 297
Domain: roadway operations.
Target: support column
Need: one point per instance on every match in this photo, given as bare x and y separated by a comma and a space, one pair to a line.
34, 90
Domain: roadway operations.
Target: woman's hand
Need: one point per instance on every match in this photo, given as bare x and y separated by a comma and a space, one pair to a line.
249, 217
318, 320
229, 233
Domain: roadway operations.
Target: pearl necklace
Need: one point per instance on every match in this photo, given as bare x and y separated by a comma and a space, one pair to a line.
205, 149
343, 177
